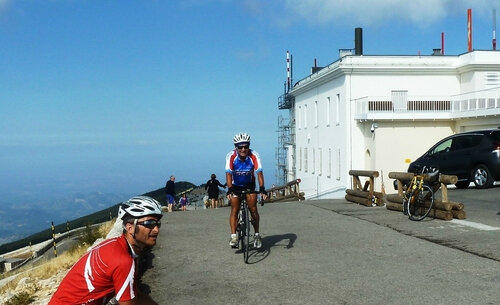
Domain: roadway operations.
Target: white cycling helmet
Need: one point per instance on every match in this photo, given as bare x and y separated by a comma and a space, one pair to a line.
140, 206
241, 138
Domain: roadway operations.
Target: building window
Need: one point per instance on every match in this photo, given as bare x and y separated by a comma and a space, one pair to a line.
300, 159
299, 118
337, 110
305, 159
313, 163
338, 164
320, 161
305, 116
316, 114
329, 169
328, 109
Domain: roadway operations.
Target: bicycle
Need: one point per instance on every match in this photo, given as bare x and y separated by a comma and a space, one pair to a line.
243, 224
418, 199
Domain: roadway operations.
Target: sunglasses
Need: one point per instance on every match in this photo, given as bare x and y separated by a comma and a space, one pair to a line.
243, 147
150, 224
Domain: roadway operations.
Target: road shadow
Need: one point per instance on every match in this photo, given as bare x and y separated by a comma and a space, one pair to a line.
269, 242
144, 262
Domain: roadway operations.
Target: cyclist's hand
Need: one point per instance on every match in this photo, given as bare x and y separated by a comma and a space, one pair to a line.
263, 193
230, 192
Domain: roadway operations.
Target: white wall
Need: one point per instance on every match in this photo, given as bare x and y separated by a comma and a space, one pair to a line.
324, 137
344, 144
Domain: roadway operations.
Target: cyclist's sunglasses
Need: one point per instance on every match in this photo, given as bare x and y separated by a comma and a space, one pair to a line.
150, 224
243, 147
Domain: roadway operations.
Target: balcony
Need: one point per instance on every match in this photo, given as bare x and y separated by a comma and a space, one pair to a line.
485, 103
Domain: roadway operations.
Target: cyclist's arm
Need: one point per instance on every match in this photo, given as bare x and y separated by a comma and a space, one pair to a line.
229, 180
260, 178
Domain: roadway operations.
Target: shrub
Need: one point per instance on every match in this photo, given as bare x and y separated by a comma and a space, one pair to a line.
91, 234
22, 298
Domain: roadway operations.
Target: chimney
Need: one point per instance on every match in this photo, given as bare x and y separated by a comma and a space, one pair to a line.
358, 41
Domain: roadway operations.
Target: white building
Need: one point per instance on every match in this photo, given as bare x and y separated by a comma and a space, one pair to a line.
382, 112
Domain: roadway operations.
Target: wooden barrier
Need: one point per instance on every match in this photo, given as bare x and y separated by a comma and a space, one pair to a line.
289, 191
442, 209
364, 194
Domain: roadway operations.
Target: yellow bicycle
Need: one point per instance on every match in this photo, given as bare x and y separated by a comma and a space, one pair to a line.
418, 198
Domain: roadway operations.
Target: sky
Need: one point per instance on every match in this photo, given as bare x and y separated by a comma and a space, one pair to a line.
116, 96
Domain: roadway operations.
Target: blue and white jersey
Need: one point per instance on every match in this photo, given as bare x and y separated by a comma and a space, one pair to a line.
243, 170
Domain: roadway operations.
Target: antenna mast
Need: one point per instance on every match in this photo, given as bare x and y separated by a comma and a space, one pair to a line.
494, 41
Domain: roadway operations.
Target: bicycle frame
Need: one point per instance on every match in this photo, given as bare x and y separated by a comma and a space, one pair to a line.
418, 199
243, 225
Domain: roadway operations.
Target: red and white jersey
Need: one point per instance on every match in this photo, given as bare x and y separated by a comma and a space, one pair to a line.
105, 271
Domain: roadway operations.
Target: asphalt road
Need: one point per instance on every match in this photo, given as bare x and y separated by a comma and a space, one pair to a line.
332, 252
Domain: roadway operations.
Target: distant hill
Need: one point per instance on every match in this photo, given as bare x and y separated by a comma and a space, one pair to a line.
25, 213
195, 195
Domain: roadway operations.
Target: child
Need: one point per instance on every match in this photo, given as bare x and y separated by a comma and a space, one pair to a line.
184, 201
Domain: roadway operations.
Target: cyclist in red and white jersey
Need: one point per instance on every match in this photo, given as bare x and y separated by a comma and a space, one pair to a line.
241, 165
110, 269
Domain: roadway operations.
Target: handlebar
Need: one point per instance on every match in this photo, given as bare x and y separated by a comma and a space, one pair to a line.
244, 192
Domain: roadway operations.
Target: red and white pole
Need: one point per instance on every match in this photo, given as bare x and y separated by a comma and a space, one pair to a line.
469, 30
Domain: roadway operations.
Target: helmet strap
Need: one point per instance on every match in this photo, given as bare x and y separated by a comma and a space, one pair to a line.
135, 227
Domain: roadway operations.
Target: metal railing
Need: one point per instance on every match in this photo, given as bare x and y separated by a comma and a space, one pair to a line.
485, 103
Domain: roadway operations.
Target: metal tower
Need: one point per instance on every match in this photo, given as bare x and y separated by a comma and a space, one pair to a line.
285, 152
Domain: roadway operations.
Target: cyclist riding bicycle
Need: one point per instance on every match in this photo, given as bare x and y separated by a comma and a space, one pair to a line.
241, 165
110, 269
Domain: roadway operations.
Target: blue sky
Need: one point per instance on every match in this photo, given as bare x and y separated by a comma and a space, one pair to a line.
115, 96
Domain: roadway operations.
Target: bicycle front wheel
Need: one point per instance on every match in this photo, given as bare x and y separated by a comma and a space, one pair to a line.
422, 203
246, 235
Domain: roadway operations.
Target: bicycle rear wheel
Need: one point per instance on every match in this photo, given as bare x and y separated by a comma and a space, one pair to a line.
422, 204
246, 234
406, 201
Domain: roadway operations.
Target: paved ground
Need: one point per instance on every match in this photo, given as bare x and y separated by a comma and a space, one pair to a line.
331, 252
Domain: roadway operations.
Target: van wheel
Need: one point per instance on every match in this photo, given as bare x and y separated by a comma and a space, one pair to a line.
462, 184
482, 177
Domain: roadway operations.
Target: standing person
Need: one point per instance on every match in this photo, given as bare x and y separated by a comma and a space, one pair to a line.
170, 191
241, 164
110, 269
213, 190
184, 201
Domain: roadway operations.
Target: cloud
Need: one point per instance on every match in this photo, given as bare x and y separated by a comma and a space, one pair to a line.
374, 12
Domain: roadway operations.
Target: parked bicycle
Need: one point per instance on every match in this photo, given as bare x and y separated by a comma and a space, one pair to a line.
243, 225
418, 198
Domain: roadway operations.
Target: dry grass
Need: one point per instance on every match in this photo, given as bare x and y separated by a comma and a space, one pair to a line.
58, 264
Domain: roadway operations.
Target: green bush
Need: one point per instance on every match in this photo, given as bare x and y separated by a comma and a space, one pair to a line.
22, 298
90, 234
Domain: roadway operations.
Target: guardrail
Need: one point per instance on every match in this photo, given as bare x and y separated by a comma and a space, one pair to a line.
364, 194
289, 191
